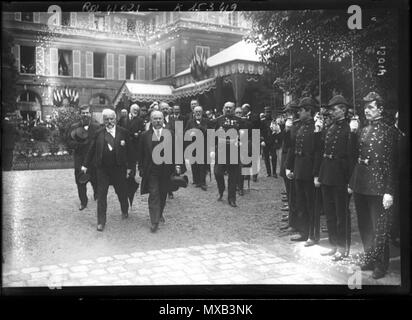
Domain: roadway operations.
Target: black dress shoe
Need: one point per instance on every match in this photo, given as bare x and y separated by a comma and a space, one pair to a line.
299, 238
220, 197
269, 175
378, 273
203, 187
232, 203
275, 175
82, 207
100, 227
154, 227
125, 215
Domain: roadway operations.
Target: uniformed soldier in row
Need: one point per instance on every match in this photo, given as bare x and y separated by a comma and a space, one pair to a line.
225, 122
300, 165
373, 184
291, 126
334, 166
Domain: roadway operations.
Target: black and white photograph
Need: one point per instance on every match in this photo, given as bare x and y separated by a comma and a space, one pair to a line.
205, 143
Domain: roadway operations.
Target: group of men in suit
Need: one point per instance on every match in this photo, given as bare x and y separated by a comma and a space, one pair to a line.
324, 163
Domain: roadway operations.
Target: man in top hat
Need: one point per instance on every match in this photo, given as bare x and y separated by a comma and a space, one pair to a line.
112, 152
156, 176
232, 166
80, 135
333, 171
193, 103
373, 184
300, 165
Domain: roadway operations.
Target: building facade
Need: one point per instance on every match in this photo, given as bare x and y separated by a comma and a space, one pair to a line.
82, 57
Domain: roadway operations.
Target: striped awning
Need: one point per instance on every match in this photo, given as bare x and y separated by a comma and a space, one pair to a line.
195, 88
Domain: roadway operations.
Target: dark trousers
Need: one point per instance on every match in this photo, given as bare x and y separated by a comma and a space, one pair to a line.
374, 224
107, 176
199, 174
82, 187
305, 202
158, 190
232, 171
270, 152
293, 212
335, 206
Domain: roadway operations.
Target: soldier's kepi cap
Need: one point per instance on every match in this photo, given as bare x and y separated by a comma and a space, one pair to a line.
308, 103
373, 96
338, 99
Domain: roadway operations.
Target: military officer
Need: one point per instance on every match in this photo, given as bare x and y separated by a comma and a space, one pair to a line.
226, 122
300, 166
334, 170
373, 184
292, 125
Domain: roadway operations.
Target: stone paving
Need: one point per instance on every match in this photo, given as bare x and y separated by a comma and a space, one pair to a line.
48, 243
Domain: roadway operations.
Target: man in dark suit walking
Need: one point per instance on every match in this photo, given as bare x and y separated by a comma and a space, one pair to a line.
80, 135
112, 152
156, 176
199, 169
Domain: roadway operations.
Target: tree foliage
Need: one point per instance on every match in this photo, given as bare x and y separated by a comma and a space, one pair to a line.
291, 41
8, 74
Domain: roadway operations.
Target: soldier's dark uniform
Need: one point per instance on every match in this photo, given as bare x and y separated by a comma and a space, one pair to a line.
227, 122
301, 161
334, 173
288, 136
373, 177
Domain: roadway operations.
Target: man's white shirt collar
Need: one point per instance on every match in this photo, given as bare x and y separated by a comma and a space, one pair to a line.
112, 131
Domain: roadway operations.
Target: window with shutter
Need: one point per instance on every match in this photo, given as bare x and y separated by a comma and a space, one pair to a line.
157, 65
122, 67
54, 61
73, 19
141, 67
76, 64
17, 16
172, 61
36, 17
110, 66
89, 64
40, 61
16, 52
163, 52
150, 68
